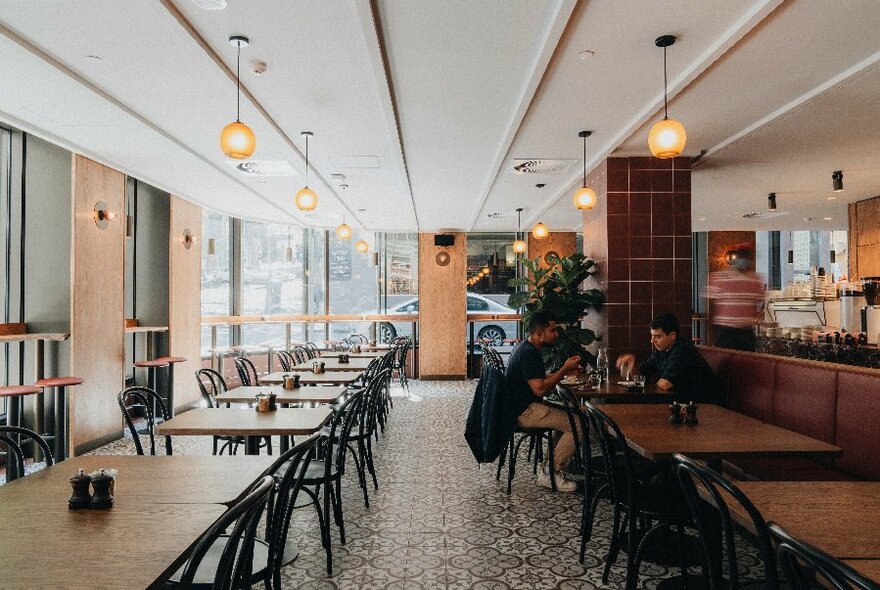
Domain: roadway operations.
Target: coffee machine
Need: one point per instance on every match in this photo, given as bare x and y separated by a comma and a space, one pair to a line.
871, 312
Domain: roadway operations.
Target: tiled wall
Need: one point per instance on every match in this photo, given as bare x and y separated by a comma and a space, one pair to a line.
641, 231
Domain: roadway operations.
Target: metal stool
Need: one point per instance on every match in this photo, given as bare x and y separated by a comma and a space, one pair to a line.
13, 395
170, 361
59, 435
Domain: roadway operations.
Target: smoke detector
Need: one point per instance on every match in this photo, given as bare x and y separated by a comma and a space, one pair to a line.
764, 214
265, 168
495, 215
258, 68
542, 166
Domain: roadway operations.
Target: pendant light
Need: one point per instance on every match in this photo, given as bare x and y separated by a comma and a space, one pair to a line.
771, 202
306, 199
791, 249
288, 253
362, 246
585, 197
540, 231
343, 230
837, 181
519, 246
667, 137
237, 139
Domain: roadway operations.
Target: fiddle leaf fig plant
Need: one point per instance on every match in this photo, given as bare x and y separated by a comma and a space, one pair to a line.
557, 290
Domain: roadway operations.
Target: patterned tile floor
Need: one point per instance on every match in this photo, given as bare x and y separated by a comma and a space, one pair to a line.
440, 522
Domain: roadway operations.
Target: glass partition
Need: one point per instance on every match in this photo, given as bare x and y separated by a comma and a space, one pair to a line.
216, 276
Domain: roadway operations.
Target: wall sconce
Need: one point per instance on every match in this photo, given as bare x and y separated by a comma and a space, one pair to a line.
211, 247
189, 239
731, 256
442, 258
103, 215
771, 202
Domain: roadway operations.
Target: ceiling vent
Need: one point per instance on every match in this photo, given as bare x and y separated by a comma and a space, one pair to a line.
495, 215
764, 214
265, 168
542, 166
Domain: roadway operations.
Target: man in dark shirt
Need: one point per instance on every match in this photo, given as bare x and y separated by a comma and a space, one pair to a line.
527, 384
676, 363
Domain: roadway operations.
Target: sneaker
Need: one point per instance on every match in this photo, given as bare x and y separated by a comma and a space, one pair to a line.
562, 484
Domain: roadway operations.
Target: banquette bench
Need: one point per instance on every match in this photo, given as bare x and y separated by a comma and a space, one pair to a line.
838, 404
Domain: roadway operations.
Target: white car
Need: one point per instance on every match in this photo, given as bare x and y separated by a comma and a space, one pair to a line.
494, 332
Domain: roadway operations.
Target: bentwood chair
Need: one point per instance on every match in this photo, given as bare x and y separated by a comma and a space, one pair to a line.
138, 397
365, 428
247, 372
312, 350
709, 512
327, 470
14, 438
806, 567
649, 506
212, 384
222, 560
399, 361
300, 354
285, 360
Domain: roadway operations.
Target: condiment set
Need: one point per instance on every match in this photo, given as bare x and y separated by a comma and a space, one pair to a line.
343, 359
291, 382
690, 413
103, 482
266, 402
317, 367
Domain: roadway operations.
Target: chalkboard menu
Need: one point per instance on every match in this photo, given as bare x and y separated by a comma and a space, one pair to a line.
340, 259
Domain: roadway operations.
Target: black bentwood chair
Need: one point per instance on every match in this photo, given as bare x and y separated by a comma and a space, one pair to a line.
14, 438
285, 360
221, 560
137, 398
805, 567
648, 507
247, 372
710, 510
212, 384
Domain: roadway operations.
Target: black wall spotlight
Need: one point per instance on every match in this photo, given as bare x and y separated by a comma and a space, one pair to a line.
837, 181
791, 256
771, 201
833, 257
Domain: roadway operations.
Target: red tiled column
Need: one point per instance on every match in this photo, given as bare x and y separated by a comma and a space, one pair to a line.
641, 233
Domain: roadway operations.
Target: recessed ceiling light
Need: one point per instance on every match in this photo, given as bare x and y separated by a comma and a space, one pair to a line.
361, 210
832, 198
827, 218
702, 219
95, 57
586, 54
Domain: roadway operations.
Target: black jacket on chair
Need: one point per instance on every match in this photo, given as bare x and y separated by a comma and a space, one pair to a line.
491, 421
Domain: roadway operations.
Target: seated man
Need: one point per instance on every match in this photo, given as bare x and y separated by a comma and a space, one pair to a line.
527, 384
676, 363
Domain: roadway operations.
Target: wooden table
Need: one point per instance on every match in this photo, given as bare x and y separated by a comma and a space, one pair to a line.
612, 392
866, 567
300, 395
246, 422
842, 518
309, 378
162, 506
333, 364
355, 355
720, 433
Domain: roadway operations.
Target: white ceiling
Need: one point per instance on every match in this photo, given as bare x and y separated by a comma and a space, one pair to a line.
439, 98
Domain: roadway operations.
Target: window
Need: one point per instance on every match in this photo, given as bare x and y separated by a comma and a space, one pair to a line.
216, 277
495, 253
474, 304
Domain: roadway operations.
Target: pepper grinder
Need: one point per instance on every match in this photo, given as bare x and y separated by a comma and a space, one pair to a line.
690, 414
675, 413
102, 497
80, 498
272, 405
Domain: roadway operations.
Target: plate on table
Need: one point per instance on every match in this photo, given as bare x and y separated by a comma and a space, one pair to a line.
570, 381
627, 383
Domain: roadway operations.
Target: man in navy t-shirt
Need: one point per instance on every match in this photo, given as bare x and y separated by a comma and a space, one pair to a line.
527, 384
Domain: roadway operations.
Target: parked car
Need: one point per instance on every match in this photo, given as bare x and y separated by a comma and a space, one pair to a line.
494, 332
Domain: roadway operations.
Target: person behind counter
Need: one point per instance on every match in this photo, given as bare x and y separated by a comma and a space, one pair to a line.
676, 363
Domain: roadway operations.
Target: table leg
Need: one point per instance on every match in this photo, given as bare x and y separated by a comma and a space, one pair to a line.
252, 445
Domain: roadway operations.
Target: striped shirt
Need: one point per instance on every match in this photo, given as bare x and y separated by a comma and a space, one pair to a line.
736, 297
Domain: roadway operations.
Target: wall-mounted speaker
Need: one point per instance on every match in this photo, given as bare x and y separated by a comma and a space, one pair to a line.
444, 240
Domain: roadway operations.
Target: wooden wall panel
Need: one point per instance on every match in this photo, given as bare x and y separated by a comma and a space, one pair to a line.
563, 243
97, 310
442, 314
864, 238
184, 311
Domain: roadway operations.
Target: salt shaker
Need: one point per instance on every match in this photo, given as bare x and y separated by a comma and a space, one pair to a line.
102, 498
675, 413
80, 498
690, 414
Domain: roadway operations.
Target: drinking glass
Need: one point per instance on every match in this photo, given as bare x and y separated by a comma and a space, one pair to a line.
639, 381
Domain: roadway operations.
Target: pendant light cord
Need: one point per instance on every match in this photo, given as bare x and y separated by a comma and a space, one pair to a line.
585, 161
238, 84
307, 161
665, 91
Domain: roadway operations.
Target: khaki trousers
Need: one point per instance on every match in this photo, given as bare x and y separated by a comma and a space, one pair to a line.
544, 416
